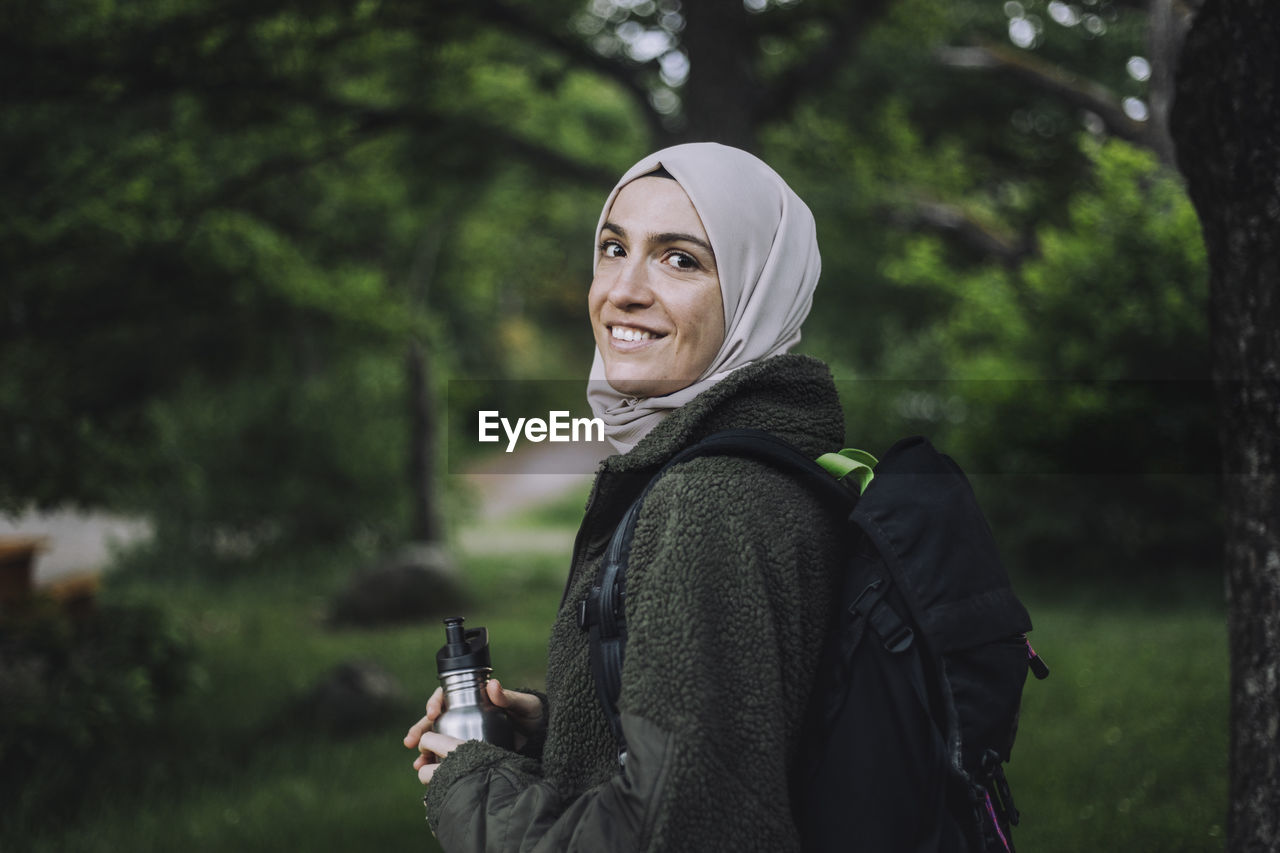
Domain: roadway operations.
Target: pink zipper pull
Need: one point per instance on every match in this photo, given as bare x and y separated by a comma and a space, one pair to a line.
1038, 667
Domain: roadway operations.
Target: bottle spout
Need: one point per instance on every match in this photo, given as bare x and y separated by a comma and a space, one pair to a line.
463, 648
455, 636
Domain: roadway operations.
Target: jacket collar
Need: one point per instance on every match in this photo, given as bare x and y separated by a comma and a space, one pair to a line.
791, 396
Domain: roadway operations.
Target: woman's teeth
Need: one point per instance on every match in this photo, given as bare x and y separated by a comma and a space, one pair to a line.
622, 333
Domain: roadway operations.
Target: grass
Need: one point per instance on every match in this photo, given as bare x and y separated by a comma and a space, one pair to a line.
230, 772
1122, 748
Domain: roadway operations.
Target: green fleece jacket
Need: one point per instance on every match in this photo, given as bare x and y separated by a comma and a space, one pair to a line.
730, 589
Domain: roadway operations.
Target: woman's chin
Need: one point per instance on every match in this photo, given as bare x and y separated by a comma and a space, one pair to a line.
646, 386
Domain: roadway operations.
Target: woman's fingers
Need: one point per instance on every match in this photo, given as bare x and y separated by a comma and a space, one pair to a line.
524, 710
435, 743
434, 706
524, 705
433, 746
415, 732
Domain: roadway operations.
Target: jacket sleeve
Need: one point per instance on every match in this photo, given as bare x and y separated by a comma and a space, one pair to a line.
716, 624
484, 798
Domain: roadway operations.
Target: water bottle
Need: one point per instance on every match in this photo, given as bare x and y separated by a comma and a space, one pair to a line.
463, 664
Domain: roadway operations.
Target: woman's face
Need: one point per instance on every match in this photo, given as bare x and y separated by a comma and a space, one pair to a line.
655, 300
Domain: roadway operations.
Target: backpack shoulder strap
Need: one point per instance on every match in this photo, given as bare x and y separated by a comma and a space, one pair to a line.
602, 612
772, 450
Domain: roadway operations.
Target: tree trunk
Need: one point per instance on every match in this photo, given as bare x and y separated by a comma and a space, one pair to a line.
1226, 125
720, 96
425, 522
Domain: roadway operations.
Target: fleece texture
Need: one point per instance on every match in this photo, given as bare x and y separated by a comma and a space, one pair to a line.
730, 592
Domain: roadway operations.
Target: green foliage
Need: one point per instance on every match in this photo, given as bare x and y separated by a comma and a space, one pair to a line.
76, 693
231, 222
1031, 298
277, 463
1125, 281
1118, 291
514, 280
1084, 372
905, 160
162, 231
228, 765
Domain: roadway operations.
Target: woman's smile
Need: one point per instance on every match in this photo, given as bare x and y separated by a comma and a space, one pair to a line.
629, 338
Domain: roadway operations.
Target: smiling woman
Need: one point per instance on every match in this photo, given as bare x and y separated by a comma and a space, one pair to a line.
704, 269
702, 213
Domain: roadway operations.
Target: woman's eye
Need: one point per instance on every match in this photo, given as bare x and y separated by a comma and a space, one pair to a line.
612, 249
681, 261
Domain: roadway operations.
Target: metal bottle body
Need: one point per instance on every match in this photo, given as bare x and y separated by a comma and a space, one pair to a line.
468, 712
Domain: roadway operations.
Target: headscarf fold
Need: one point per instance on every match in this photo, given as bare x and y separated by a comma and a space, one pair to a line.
766, 251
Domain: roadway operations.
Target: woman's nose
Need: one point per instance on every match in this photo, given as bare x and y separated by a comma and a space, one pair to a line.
630, 286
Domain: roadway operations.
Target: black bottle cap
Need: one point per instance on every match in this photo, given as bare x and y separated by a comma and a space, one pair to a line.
463, 649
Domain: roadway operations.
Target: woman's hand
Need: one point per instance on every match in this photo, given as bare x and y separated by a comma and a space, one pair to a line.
524, 709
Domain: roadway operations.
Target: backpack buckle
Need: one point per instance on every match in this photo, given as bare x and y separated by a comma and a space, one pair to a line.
591, 612
895, 635
588, 609
856, 609
997, 784
900, 640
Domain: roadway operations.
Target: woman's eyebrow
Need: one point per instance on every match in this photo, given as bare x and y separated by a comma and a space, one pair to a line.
675, 236
664, 237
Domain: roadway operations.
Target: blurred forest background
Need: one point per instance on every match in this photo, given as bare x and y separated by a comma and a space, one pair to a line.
246, 245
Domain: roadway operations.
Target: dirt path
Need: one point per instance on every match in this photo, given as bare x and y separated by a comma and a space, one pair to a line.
78, 542
82, 542
536, 474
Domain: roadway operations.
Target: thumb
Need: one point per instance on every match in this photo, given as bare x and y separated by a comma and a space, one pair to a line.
522, 705
497, 695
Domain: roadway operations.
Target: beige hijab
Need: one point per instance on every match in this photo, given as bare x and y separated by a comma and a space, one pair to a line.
766, 250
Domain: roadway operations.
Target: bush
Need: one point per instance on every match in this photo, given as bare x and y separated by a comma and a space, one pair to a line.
1081, 377
277, 464
74, 693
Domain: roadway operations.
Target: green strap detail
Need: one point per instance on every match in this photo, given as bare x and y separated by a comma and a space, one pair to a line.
859, 465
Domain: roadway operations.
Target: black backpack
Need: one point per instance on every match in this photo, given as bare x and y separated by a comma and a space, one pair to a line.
916, 707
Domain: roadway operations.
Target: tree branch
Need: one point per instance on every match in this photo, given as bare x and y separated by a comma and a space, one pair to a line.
370, 123
1169, 21
625, 73
956, 222
380, 119
848, 26
1085, 94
